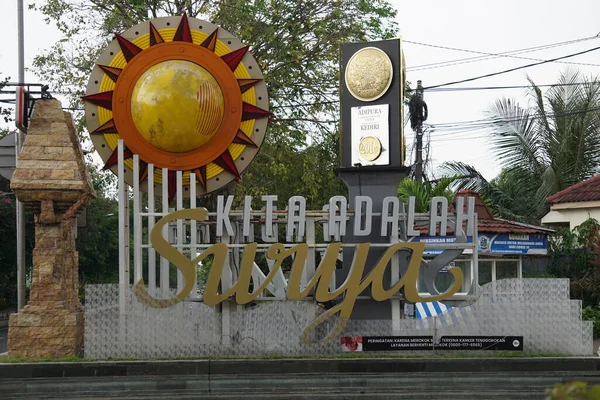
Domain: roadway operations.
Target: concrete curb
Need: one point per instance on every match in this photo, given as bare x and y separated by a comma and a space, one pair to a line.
202, 368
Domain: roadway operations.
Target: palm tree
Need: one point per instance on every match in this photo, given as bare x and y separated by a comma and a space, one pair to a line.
425, 191
542, 149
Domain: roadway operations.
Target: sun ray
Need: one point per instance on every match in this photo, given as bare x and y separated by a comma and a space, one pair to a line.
247, 84
226, 162
234, 58
183, 33
242, 138
201, 175
155, 37
129, 49
211, 41
253, 112
103, 99
112, 72
114, 157
108, 127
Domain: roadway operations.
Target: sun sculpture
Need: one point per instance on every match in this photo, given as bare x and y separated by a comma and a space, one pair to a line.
184, 95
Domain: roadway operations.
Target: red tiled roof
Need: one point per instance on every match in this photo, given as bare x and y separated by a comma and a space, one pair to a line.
588, 190
486, 223
480, 208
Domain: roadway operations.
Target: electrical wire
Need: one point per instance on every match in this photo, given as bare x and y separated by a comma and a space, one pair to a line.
489, 56
489, 121
513, 69
474, 88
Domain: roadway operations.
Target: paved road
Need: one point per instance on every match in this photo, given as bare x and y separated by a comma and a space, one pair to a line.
3, 339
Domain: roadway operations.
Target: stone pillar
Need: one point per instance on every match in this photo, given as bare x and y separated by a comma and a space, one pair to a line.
52, 181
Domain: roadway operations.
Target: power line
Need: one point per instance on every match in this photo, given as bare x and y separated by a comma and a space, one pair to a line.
459, 89
491, 122
513, 69
488, 56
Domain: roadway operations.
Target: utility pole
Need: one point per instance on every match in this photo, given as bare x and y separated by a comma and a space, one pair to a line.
20, 137
418, 114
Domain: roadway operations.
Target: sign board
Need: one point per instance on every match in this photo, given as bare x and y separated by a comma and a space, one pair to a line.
499, 243
22, 109
399, 343
8, 159
373, 79
370, 135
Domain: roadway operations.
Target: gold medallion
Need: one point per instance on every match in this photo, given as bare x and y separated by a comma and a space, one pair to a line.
369, 74
369, 148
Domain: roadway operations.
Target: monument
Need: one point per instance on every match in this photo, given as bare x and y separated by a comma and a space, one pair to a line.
52, 180
177, 108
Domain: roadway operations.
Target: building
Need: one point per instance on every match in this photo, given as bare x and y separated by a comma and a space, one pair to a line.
574, 205
504, 247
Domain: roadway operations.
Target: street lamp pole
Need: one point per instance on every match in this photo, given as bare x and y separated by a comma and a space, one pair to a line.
19, 143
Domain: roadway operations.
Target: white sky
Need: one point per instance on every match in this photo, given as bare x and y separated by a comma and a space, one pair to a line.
486, 26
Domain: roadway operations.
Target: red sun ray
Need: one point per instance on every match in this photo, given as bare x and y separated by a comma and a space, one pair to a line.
234, 58
114, 157
172, 176
129, 49
252, 112
103, 99
107, 127
183, 33
226, 162
143, 171
211, 41
246, 84
112, 72
201, 175
242, 138
155, 37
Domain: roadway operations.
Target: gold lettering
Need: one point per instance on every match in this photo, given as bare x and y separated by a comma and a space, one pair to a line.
181, 262
350, 289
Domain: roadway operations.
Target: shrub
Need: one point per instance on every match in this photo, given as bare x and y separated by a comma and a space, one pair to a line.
592, 313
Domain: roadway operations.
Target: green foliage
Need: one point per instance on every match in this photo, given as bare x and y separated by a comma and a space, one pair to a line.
425, 191
592, 313
6, 114
97, 243
295, 42
542, 149
8, 250
574, 391
576, 255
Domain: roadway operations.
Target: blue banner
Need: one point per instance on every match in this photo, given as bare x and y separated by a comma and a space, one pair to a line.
499, 243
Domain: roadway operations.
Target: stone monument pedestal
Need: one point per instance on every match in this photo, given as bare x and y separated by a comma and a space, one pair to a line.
52, 181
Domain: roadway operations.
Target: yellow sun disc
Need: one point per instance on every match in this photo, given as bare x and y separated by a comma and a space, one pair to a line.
183, 95
177, 106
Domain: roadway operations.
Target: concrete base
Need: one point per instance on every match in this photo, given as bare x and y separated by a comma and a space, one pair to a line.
42, 332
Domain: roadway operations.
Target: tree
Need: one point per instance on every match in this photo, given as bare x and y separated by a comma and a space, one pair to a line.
98, 241
425, 191
575, 254
6, 114
297, 45
8, 252
542, 149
